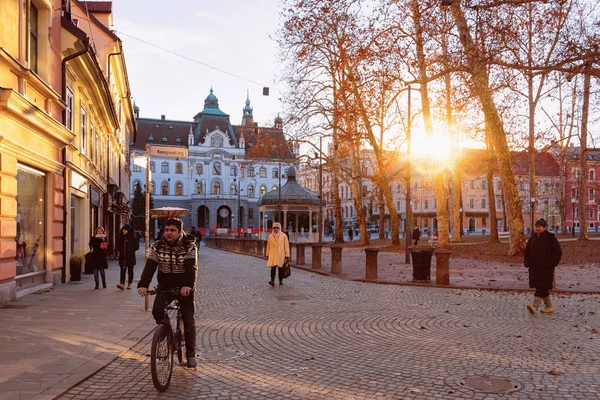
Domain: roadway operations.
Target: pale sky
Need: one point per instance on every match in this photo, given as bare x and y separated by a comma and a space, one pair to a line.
231, 35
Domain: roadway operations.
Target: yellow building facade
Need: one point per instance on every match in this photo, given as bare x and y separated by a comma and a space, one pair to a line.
64, 134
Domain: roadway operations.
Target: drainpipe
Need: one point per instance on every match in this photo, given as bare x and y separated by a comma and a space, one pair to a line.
86, 43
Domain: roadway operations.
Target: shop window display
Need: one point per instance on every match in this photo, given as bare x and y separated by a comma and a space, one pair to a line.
30, 220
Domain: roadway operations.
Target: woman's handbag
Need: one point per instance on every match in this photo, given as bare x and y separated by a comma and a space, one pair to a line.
286, 270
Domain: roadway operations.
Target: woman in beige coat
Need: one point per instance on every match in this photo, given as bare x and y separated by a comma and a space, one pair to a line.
278, 252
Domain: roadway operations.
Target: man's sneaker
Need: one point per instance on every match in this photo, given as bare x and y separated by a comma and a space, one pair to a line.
191, 362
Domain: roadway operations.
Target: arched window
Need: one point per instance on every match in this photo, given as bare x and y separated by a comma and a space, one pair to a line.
164, 188
179, 168
152, 166
263, 190
232, 189
199, 169
483, 221
263, 172
275, 173
178, 189
274, 187
198, 188
250, 191
164, 167
216, 188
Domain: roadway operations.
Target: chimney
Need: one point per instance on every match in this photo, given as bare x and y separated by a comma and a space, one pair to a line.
162, 117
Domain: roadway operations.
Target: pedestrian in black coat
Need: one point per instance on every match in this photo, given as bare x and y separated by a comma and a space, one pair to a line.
542, 255
416, 235
99, 248
127, 245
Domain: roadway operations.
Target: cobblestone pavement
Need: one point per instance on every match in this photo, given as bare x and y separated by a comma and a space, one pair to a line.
317, 337
464, 273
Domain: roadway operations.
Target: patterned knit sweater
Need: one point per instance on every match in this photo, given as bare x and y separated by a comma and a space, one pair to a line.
177, 264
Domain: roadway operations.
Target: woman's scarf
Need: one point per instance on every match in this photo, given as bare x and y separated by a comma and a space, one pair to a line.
276, 235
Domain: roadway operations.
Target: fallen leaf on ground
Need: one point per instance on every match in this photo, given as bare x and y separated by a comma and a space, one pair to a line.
555, 372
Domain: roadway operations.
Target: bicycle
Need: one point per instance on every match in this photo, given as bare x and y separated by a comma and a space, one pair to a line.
168, 339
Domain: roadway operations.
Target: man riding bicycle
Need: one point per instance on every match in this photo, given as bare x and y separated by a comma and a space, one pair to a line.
175, 257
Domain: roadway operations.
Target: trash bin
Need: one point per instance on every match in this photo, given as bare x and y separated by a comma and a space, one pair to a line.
75, 263
421, 258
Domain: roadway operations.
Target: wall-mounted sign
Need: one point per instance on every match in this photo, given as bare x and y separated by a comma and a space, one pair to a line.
224, 213
94, 197
168, 151
78, 182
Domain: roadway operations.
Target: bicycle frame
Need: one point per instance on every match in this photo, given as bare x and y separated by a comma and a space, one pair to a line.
171, 303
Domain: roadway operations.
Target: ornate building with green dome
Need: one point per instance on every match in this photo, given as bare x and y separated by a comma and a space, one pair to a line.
228, 168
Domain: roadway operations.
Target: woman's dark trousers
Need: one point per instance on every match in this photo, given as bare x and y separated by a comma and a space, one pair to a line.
542, 293
96, 277
129, 270
279, 274
188, 308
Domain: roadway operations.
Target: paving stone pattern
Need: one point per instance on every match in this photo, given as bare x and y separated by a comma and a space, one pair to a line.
318, 337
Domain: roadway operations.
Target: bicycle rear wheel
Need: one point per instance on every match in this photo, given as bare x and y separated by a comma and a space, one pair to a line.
161, 357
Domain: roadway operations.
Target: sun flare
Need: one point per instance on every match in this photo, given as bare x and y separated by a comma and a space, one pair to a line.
436, 147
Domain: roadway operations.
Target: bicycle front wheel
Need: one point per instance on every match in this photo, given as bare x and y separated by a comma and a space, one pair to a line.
180, 342
161, 357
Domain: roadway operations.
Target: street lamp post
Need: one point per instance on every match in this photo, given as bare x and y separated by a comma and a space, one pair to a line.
408, 207
573, 201
532, 202
460, 210
240, 216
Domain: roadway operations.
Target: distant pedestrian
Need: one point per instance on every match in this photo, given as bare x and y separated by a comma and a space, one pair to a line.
278, 253
542, 255
196, 234
127, 246
99, 248
416, 235
350, 234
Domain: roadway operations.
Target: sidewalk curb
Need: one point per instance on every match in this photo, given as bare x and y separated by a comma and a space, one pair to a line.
416, 284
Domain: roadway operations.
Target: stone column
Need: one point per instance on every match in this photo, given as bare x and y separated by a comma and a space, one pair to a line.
300, 253
442, 269
264, 248
336, 259
371, 264
316, 255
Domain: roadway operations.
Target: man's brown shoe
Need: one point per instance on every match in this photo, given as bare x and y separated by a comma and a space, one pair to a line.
120, 286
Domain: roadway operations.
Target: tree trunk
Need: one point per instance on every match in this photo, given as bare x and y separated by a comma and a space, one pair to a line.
381, 206
583, 195
439, 175
490, 189
480, 88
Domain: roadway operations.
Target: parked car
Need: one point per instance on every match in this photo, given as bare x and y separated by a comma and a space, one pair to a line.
373, 228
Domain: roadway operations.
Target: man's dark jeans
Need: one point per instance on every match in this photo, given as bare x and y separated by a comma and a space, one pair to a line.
129, 270
188, 308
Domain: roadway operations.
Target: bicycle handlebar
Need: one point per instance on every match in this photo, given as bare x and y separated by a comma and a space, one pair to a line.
173, 291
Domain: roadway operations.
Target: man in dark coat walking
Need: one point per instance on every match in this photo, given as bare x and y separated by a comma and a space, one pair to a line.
127, 245
542, 255
416, 235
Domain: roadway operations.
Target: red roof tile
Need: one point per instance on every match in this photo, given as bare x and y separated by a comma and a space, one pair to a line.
102, 7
